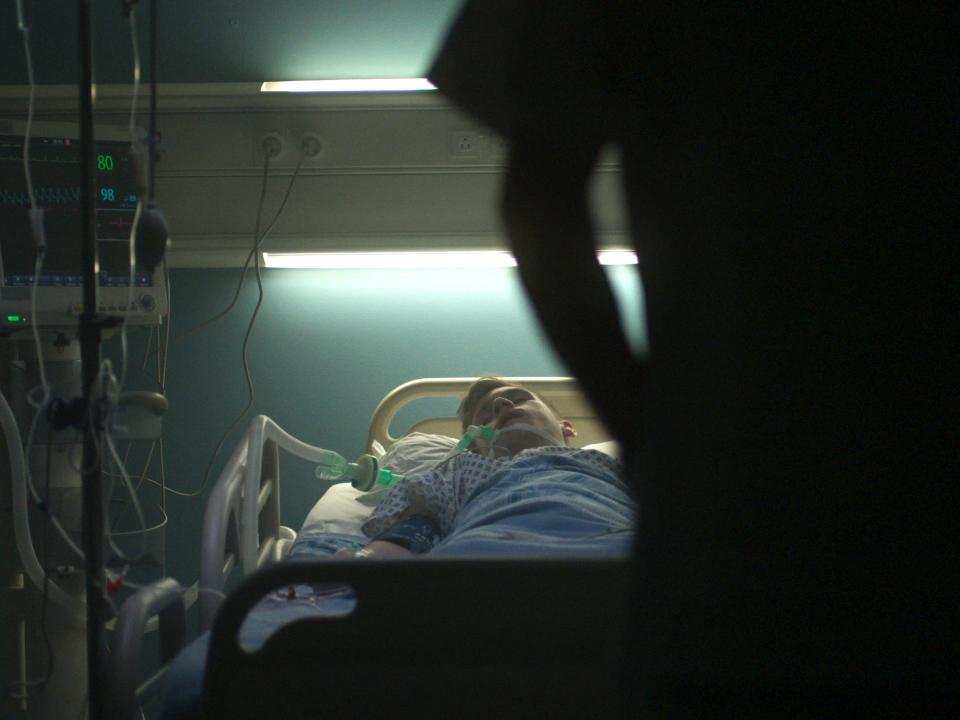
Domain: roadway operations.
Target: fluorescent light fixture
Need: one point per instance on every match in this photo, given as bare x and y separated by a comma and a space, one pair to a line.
345, 86
617, 257
418, 259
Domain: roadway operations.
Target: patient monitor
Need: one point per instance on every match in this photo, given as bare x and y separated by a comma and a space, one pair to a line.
39, 317
54, 151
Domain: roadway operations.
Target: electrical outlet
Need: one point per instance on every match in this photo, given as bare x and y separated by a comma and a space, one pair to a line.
271, 145
465, 144
311, 145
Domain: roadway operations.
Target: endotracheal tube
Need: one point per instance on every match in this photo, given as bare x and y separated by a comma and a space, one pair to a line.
490, 434
477, 432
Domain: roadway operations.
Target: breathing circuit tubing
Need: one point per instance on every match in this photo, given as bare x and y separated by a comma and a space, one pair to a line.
363, 474
21, 531
366, 474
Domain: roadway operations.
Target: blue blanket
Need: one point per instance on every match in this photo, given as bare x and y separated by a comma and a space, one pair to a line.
545, 504
535, 506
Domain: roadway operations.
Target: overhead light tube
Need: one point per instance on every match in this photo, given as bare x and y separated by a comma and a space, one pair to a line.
412, 259
417, 259
347, 86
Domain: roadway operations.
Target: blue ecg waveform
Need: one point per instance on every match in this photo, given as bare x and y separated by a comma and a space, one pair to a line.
46, 196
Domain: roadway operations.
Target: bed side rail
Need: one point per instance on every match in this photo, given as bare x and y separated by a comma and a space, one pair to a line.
491, 637
163, 598
241, 525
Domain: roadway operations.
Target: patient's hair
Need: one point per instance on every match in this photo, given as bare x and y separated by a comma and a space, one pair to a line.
480, 388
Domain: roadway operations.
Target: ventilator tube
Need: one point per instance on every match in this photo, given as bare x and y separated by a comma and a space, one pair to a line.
364, 474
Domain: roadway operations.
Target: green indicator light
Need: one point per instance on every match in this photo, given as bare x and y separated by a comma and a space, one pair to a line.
13, 318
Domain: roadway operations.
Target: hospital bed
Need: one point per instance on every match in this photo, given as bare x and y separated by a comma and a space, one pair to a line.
478, 637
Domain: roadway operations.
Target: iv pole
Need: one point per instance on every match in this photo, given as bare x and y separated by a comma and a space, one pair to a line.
90, 336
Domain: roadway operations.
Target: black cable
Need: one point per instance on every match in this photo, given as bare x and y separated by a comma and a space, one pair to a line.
90, 336
246, 337
253, 251
259, 238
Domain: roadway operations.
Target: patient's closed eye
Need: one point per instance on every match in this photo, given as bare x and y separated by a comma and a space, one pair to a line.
489, 409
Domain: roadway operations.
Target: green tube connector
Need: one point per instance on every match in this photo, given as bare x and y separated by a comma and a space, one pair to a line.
365, 474
474, 432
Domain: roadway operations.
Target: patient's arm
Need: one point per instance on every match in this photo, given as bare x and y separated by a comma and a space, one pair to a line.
413, 534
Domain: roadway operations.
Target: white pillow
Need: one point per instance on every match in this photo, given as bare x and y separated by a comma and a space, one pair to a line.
338, 511
610, 447
417, 452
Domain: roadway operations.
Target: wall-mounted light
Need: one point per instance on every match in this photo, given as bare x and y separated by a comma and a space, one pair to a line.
418, 259
371, 85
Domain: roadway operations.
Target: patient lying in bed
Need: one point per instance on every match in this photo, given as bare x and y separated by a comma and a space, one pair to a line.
527, 492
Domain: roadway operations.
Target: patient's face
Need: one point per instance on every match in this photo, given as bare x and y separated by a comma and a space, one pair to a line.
508, 406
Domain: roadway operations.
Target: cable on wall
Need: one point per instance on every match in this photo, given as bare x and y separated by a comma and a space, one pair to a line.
259, 238
254, 251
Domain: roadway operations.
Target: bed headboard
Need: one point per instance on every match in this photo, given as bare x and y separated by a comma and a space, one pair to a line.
562, 393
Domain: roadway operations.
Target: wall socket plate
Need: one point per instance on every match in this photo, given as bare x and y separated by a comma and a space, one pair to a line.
271, 144
466, 144
311, 145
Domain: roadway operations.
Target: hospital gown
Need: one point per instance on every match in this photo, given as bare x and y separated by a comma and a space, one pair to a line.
548, 500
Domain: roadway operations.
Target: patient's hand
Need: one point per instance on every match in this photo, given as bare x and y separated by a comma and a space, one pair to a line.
374, 549
417, 505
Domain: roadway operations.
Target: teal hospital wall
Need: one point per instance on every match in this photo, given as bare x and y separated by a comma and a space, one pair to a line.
327, 345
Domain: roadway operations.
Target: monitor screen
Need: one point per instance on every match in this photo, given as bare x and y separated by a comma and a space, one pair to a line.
55, 165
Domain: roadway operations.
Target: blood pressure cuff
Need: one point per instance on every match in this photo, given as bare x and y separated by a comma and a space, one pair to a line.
417, 533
